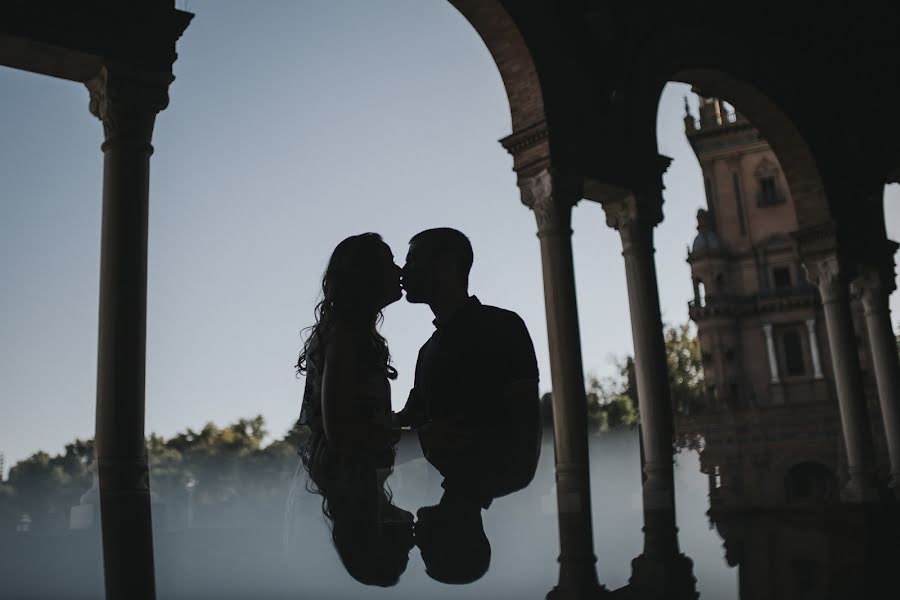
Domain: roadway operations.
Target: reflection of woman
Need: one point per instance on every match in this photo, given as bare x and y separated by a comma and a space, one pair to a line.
347, 406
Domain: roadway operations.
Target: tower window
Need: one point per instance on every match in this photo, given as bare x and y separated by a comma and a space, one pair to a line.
739, 203
792, 354
710, 200
781, 277
768, 192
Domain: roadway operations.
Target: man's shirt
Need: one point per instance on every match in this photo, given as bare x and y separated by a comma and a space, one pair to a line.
461, 373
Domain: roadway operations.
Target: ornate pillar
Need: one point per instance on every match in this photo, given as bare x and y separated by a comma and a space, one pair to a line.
770, 350
126, 102
827, 273
814, 348
875, 290
661, 571
551, 197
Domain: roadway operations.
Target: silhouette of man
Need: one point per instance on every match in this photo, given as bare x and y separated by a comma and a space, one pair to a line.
452, 541
475, 401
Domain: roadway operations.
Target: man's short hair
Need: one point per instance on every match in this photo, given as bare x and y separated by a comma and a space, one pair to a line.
449, 241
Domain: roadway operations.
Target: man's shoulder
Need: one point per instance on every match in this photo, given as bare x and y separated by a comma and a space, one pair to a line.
500, 316
427, 343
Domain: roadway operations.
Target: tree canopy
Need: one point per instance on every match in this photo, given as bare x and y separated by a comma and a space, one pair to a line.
224, 470
613, 400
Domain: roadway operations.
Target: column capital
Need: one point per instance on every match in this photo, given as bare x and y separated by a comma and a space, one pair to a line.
126, 102
634, 216
873, 286
551, 195
826, 273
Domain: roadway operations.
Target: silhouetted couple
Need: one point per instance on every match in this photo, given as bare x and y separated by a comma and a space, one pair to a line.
474, 405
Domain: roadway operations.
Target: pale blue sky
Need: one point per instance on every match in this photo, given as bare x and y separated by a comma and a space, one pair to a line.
291, 126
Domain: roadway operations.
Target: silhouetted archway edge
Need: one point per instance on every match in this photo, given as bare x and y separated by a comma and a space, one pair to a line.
728, 67
529, 140
793, 152
507, 47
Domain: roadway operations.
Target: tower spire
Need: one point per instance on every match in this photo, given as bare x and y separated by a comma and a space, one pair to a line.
689, 124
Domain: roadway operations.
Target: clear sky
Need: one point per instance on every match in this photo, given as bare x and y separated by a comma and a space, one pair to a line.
292, 125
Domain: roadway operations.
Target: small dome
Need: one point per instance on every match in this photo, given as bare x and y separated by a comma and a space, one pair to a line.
706, 240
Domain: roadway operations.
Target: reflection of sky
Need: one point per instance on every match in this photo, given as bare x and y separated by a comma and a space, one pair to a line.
291, 126
241, 558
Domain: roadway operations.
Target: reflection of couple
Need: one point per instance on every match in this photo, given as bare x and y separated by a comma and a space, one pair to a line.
474, 405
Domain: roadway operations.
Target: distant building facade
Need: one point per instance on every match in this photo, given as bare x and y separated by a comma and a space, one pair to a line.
770, 418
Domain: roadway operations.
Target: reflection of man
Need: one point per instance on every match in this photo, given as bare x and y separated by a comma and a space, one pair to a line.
452, 542
475, 398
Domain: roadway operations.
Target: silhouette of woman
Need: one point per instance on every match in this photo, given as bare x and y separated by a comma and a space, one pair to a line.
347, 407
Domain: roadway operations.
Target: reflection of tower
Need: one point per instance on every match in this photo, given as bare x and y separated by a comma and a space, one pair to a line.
845, 552
770, 418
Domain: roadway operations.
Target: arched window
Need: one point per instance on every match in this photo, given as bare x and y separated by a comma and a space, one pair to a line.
809, 483
768, 192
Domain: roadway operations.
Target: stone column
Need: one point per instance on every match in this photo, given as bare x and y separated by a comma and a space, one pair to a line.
814, 348
661, 571
551, 197
126, 103
770, 350
874, 290
827, 273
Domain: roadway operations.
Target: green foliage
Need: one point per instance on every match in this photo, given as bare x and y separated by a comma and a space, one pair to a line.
685, 368
613, 400
46, 486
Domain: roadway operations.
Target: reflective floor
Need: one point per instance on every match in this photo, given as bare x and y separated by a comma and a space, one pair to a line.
794, 542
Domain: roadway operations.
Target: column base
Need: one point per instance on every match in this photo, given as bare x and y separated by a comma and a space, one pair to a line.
861, 488
663, 578
577, 580
586, 592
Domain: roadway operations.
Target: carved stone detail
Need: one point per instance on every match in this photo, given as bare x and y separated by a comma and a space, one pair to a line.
766, 168
633, 219
871, 289
126, 102
826, 274
525, 138
551, 197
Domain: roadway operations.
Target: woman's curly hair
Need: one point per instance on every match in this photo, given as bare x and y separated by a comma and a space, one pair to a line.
350, 288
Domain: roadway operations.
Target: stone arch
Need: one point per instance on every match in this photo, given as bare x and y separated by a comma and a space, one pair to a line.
794, 154
507, 46
730, 68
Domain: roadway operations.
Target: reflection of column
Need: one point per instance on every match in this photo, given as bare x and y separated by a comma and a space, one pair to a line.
884, 358
770, 350
814, 348
827, 274
551, 198
661, 570
127, 105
